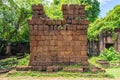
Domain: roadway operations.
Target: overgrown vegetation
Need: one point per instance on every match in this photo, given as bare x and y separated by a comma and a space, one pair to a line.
13, 62
24, 61
15, 13
110, 22
8, 63
93, 61
109, 54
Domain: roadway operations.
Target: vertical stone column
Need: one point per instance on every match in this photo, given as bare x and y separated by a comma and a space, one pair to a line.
101, 42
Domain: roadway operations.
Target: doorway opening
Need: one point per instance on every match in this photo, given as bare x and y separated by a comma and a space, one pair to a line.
108, 45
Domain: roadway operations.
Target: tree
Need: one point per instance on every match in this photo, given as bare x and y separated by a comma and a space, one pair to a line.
11, 19
110, 22
15, 13
92, 8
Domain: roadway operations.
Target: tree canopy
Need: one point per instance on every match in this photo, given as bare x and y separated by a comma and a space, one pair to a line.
92, 8
110, 22
15, 13
13, 19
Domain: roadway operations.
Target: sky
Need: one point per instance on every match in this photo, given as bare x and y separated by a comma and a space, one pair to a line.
105, 6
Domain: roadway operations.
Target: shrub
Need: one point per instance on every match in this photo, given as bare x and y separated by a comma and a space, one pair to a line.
24, 61
110, 54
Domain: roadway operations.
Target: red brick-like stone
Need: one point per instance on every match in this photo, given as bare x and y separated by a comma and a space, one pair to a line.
65, 7
62, 42
65, 12
71, 6
40, 27
33, 43
37, 7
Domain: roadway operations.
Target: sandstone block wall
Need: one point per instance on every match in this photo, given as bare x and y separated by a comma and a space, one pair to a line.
58, 41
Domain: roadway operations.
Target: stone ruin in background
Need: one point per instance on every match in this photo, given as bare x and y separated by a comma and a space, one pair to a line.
58, 42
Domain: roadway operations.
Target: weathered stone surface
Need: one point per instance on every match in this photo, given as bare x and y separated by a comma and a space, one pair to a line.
62, 42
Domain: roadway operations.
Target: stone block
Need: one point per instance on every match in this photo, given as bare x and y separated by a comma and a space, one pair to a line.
33, 49
40, 43
70, 27
39, 49
24, 68
71, 12
82, 11
69, 21
74, 22
71, 6
33, 32
45, 48
63, 21
65, 7
37, 7
36, 68
75, 38
64, 16
49, 69
53, 43
76, 12
77, 7
32, 38
84, 48
33, 43
40, 27
82, 7
83, 53
65, 12
47, 42
46, 27
31, 22
51, 27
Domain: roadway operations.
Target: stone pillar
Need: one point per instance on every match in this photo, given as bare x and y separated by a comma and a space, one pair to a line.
101, 42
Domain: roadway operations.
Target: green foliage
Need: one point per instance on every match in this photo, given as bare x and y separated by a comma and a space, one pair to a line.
109, 54
92, 8
12, 18
24, 61
15, 13
13, 62
8, 63
110, 22
93, 61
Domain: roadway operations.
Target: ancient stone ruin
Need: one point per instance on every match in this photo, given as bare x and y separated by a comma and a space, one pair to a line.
105, 40
58, 42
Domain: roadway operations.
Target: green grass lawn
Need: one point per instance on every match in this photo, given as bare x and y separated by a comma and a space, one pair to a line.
110, 72
113, 71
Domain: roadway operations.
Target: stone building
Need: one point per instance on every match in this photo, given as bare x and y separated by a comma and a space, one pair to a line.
58, 42
105, 40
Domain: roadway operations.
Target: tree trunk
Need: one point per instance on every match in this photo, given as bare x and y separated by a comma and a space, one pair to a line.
8, 48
